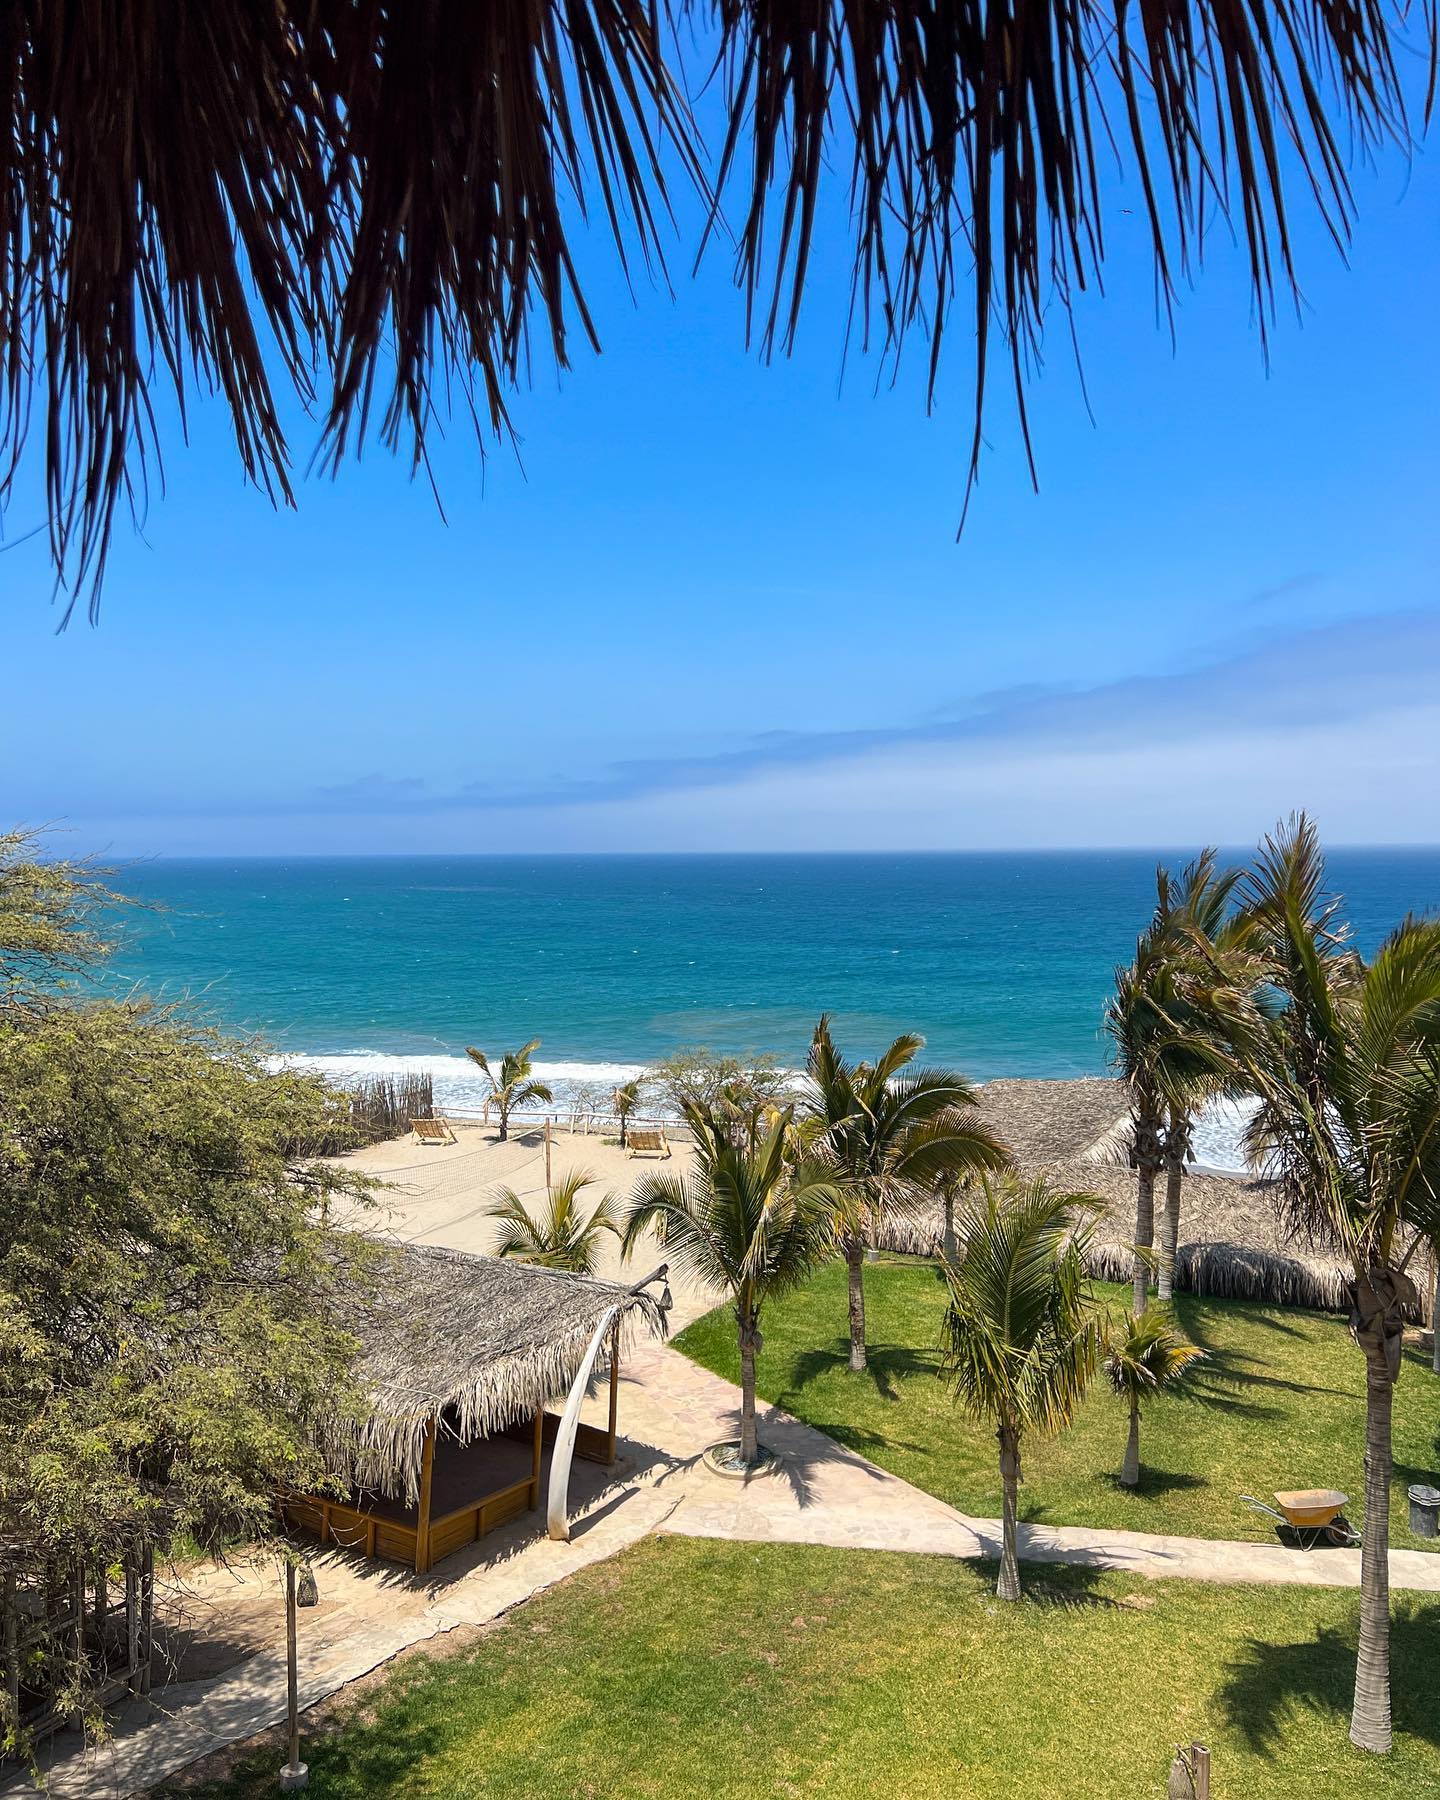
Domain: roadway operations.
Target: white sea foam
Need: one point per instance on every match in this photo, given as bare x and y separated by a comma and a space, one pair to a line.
1218, 1134
457, 1081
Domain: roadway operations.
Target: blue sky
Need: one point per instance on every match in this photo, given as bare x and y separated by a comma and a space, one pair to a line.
722, 606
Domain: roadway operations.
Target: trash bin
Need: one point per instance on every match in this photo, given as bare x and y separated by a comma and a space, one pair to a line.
1425, 1510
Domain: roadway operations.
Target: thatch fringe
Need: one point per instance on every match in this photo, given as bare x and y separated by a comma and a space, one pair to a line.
476, 1341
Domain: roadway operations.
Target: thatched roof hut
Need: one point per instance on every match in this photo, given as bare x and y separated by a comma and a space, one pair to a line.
479, 1340
1044, 1122
1233, 1241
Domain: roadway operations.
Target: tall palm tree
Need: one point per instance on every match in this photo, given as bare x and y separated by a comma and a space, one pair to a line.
1021, 1330
625, 1100
514, 1083
1213, 973
891, 1133
744, 1218
1347, 1068
563, 1235
1145, 1357
1169, 1022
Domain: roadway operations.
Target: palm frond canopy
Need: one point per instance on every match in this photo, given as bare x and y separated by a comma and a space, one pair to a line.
1348, 1070
1021, 1336
365, 204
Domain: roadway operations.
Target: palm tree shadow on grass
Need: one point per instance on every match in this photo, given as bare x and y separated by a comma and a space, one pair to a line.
1267, 1683
887, 1366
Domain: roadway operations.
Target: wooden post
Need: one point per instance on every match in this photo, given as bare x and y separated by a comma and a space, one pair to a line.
147, 1617
1200, 1755
614, 1391
12, 1656
427, 1472
294, 1774
132, 1626
537, 1446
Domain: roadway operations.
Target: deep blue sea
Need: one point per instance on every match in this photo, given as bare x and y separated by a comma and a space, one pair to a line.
1002, 960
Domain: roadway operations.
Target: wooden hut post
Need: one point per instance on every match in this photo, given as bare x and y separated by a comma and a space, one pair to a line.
12, 1654
132, 1626
614, 1391
537, 1446
147, 1617
427, 1472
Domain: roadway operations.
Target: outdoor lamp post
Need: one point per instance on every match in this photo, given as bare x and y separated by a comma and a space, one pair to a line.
295, 1774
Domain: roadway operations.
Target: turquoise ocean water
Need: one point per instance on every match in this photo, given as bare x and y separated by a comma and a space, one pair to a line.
1003, 960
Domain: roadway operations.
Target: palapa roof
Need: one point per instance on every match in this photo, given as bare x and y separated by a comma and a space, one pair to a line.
483, 1340
1045, 1122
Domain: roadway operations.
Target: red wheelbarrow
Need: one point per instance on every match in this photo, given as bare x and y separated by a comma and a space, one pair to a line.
1311, 1516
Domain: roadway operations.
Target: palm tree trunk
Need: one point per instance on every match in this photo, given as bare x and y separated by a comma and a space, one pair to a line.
624, 1121
1130, 1468
1144, 1233
749, 1438
855, 1262
1370, 1719
1170, 1230
1008, 1586
504, 1123
1435, 1318
948, 1244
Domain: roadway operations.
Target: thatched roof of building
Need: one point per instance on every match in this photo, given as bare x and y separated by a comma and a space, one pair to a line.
1233, 1241
481, 1340
1045, 1122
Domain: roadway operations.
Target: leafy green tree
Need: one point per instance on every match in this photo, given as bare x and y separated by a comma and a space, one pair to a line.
173, 1305
744, 1219
1347, 1068
892, 1134
1021, 1333
728, 1088
626, 1102
1143, 1358
513, 1084
564, 1235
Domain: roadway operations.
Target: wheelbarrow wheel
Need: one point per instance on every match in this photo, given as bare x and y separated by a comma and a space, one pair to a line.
1341, 1533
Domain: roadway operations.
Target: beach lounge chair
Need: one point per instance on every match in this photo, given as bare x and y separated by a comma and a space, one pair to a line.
434, 1131
646, 1143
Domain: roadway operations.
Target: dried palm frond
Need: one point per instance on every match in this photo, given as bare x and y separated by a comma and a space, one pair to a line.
368, 204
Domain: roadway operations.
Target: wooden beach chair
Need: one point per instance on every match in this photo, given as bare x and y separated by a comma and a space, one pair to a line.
434, 1131
646, 1142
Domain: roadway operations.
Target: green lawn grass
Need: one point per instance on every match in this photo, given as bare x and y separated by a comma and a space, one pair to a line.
684, 1667
1279, 1403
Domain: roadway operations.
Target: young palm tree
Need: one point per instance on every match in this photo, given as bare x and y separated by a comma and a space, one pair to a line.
743, 1218
1347, 1068
514, 1085
1021, 1331
563, 1236
1146, 1356
625, 1101
891, 1133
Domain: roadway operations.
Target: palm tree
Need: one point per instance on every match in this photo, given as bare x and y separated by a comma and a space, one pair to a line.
625, 1100
1212, 974
1021, 1330
1170, 1022
514, 1085
890, 1133
1146, 1356
563, 1236
1347, 1068
743, 1218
